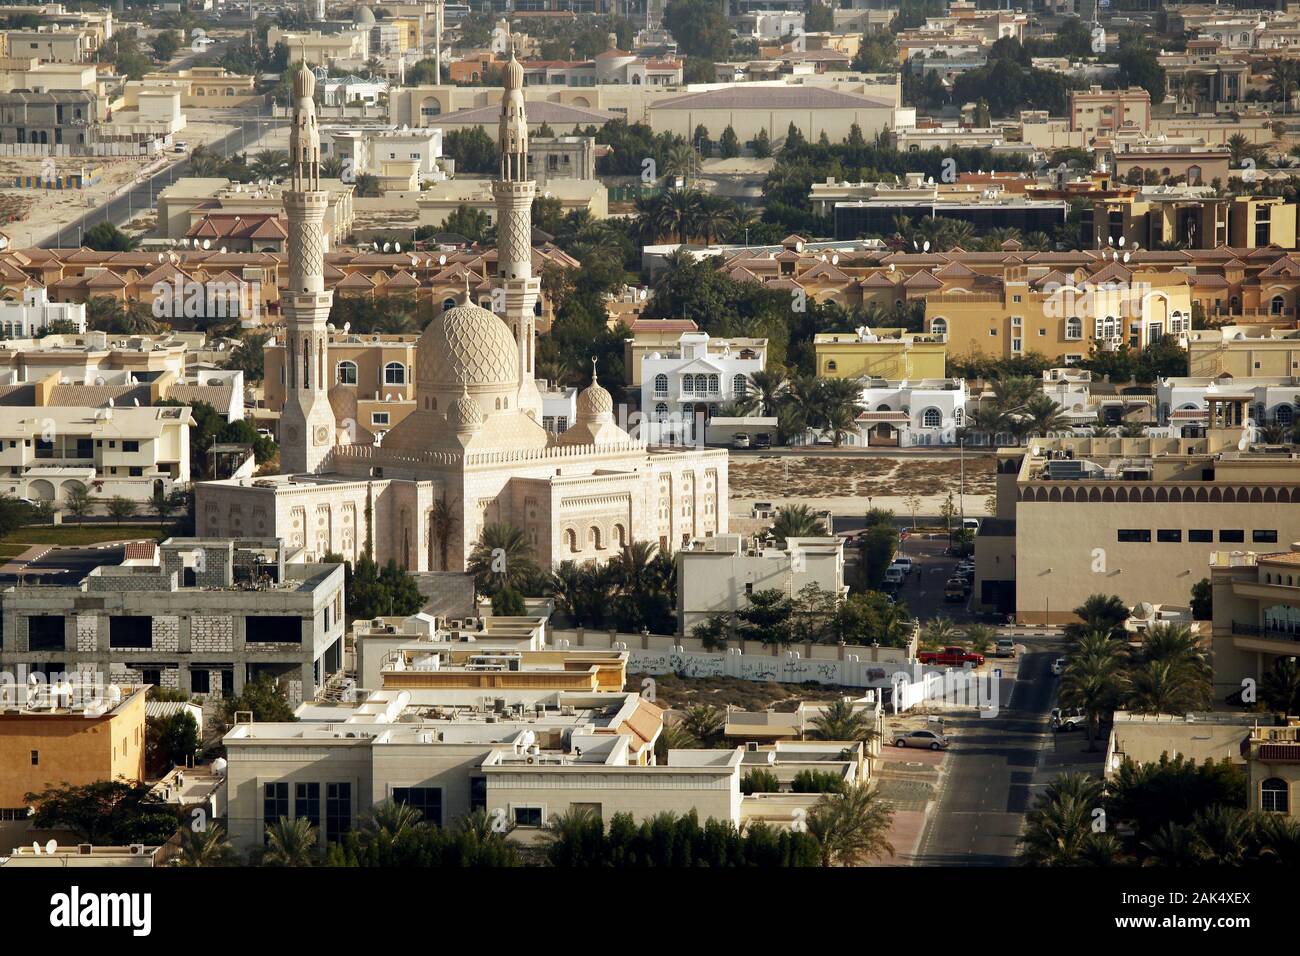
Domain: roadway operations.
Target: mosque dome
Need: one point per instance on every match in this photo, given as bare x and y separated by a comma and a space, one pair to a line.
467, 347
304, 84
363, 17
465, 414
514, 75
594, 401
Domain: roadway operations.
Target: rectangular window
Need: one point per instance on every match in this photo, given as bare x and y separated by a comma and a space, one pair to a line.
428, 800
528, 816
36, 758
379, 418
1264, 537
130, 446
1232, 536
200, 682
45, 633
273, 629
306, 802
275, 804
1200, 535
477, 793
338, 810
1169, 535
1134, 534
130, 630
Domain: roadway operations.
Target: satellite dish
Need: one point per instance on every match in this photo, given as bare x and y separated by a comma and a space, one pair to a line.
137, 402
207, 243
223, 250
51, 847
110, 401
387, 247
891, 267
1110, 240
160, 257
926, 247
397, 247
346, 327
442, 260
1126, 257
36, 848
1121, 242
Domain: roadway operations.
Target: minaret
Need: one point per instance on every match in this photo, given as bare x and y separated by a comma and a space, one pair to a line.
307, 422
518, 291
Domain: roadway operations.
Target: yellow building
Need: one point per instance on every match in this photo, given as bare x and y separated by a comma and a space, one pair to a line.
889, 354
586, 671
1256, 221
1273, 769
45, 744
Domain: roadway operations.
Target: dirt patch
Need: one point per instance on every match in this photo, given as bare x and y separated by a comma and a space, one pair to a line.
843, 477
677, 693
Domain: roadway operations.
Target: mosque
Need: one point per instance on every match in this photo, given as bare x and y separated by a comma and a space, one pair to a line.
474, 452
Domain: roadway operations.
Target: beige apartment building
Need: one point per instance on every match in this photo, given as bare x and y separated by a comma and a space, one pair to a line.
202, 87
1099, 113
1256, 612
1135, 517
372, 382
1273, 769
1247, 351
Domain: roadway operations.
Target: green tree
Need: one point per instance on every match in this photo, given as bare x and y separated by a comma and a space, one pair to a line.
264, 698
502, 557
851, 827
170, 741
106, 812
797, 521
839, 721
206, 847
120, 508
762, 144
766, 617
106, 237
79, 503
465, 221
729, 143
291, 843
699, 27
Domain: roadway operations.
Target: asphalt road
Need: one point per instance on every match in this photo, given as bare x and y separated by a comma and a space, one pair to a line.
144, 194
991, 771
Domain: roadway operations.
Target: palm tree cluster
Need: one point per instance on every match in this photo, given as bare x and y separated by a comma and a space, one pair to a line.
804, 403
1173, 813
635, 590
1169, 673
1017, 408
943, 234
688, 214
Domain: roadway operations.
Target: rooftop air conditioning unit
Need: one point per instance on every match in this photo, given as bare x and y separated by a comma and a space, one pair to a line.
85, 849
752, 746
137, 849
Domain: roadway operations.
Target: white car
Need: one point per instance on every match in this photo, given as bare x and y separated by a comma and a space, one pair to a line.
905, 564
180, 147
1058, 666
923, 739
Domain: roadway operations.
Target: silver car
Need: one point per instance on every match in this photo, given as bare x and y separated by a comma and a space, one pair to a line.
922, 739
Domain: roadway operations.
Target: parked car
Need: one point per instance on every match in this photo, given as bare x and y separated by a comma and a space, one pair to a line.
955, 589
905, 563
740, 440
921, 738
1005, 647
763, 441
180, 147
1058, 666
971, 524
893, 576
950, 657
1069, 720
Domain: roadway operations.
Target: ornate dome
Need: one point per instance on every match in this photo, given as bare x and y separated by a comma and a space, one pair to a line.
304, 84
514, 76
469, 347
594, 400
464, 414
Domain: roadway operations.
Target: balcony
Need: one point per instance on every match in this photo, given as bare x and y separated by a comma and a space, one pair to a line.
1241, 629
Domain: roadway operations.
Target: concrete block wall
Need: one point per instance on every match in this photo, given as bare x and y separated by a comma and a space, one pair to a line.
87, 633
210, 634
166, 633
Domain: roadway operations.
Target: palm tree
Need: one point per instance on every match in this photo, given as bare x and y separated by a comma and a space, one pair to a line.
1284, 79
797, 521
391, 819
987, 419
939, 631
680, 160
703, 722
442, 523
206, 847
1093, 684
1275, 433
677, 737
1167, 687
716, 218
632, 566
1176, 644
1223, 834
1101, 428
1279, 690
1132, 429
839, 403
980, 636
1100, 612
851, 827
764, 391
1058, 831
1043, 415
270, 164
1278, 839
1172, 845
840, 721
501, 558
290, 843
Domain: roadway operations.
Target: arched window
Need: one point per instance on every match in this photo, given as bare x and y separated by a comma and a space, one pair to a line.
701, 384
1176, 322
688, 384
931, 418
661, 384
939, 326
394, 373
347, 373
593, 537
957, 416
1074, 327
831, 365
661, 412
714, 385
1274, 796
739, 386
571, 540
619, 537
1276, 305
448, 303
1284, 414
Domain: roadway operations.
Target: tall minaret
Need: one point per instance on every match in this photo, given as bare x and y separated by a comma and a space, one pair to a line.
307, 422
518, 292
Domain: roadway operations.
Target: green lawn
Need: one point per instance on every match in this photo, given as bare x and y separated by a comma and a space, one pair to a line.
11, 550
72, 534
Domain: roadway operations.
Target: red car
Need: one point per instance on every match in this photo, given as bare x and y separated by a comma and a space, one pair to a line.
950, 657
